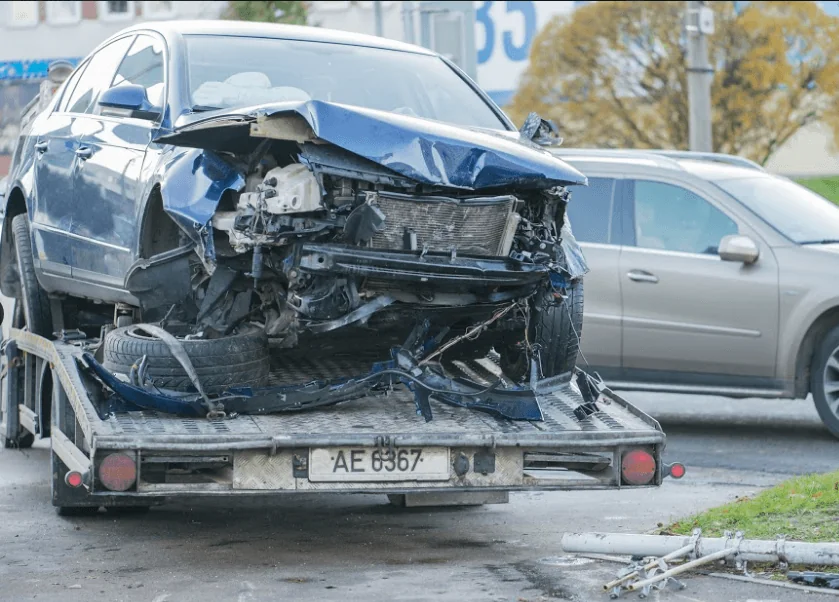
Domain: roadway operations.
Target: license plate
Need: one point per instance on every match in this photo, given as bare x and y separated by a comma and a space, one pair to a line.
370, 464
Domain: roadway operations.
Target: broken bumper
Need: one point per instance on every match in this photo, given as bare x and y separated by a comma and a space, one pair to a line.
442, 269
518, 402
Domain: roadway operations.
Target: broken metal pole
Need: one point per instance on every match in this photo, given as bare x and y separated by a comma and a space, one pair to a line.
680, 553
639, 585
780, 550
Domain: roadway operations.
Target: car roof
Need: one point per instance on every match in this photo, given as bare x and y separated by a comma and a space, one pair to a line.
708, 166
274, 30
713, 170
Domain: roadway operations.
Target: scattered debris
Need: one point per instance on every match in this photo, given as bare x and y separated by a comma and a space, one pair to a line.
653, 557
818, 579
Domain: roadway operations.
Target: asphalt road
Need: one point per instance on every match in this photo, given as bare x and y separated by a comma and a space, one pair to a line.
359, 548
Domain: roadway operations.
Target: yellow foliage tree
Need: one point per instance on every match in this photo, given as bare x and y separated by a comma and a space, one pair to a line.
613, 75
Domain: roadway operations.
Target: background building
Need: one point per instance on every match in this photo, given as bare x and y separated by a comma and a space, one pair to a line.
34, 33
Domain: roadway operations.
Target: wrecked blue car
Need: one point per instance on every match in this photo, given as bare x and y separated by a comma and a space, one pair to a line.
261, 191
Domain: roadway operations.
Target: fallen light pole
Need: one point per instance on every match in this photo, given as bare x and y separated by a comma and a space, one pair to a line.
779, 550
643, 577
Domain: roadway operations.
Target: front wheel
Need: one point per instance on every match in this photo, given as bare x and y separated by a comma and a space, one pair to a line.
824, 381
556, 326
32, 298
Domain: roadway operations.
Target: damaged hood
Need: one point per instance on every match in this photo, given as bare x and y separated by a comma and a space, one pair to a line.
427, 151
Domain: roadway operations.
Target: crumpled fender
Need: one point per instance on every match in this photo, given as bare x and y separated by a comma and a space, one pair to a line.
191, 187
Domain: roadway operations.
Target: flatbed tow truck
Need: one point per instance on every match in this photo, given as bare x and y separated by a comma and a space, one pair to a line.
107, 457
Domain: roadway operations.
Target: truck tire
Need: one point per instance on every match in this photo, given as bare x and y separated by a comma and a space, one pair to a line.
824, 380
556, 325
34, 300
239, 360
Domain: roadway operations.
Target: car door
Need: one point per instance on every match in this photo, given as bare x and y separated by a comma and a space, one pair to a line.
688, 316
56, 144
592, 212
108, 183
57, 207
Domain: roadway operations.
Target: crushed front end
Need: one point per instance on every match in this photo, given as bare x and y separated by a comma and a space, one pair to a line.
458, 235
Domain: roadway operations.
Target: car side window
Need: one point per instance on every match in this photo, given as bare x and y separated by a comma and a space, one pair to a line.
672, 218
97, 75
590, 210
68, 89
143, 66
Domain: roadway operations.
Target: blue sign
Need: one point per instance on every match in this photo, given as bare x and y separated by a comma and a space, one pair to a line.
35, 69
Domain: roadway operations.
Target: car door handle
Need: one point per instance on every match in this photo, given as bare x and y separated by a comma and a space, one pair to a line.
642, 276
84, 152
42, 146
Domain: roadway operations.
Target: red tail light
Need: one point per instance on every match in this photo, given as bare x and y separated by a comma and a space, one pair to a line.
73, 479
118, 472
638, 467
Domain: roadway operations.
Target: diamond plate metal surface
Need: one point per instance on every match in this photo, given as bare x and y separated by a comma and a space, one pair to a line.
261, 470
377, 414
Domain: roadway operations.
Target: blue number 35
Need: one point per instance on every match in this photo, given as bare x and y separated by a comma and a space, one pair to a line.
514, 52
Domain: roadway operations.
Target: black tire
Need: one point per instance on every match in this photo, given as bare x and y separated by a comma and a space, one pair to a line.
825, 368
556, 325
34, 300
236, 360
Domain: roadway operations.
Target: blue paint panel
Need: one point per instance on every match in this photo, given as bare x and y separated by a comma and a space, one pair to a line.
25, 69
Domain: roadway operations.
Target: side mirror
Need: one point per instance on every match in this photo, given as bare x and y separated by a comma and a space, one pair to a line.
131, 98
738, 247
540, 131
128, 96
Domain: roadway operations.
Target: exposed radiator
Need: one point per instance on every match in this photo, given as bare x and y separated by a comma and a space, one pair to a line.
473, 226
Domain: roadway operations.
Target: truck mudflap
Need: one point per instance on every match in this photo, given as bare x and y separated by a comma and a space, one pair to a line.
376, 443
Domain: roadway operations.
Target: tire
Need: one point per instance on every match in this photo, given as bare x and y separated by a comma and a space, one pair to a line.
556, 325
239, 360
34, 300
824, 380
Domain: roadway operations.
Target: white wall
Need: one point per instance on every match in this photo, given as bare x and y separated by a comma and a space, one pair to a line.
48, 41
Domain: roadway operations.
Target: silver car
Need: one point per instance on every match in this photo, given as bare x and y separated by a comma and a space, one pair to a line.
708, 277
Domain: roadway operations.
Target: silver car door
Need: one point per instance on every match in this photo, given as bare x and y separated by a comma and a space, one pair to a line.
688, 315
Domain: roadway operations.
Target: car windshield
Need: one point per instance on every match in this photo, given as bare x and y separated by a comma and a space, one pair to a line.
228, 71
793, 210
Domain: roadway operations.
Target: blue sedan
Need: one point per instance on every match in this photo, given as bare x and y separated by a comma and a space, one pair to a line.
252, 182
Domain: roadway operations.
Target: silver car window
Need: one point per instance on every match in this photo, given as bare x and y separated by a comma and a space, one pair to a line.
590, 210
231, 71
672, 218
143, 66
796, 212
97, 76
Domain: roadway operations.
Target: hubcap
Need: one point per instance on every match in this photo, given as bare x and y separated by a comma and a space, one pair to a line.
831, 382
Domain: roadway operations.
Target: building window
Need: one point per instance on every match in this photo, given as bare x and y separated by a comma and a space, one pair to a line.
63, 13
158, 9
23, 14
116, 10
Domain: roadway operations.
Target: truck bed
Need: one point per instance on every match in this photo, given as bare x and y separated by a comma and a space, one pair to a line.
272, 452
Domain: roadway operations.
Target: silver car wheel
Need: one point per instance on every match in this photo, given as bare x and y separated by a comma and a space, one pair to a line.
831, 382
